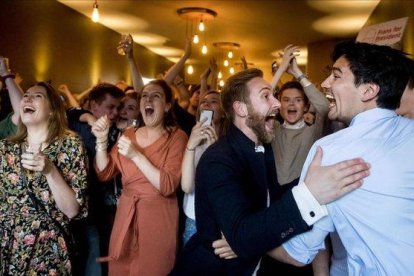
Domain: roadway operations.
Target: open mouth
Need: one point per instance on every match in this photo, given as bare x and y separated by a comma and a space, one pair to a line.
28, 109
292, 112
330, 98
149, 110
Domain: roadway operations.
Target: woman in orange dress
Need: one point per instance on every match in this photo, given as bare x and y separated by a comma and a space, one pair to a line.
144, 236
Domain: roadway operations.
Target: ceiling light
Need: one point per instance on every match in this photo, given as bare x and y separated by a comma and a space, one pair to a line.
230, 54
231, 70
201, 26
204, 49
196, 39
221, 83
219, 75
190, 69
226, 63
95, 12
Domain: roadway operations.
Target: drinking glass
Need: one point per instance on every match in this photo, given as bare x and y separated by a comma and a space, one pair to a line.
30, 152
126, 40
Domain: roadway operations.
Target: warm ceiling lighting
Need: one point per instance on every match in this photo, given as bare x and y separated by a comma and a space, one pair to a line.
193, 15
196, 39
95, 12
230, 54
231, 70
190, 70
219, 75
204, 49
201, 26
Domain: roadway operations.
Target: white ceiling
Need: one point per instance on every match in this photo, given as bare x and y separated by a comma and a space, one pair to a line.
262, 28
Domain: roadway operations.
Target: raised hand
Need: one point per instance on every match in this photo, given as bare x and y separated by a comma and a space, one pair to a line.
127, 148
4, 66
328, 183
187, 50
288, 54
101, 129
200, 133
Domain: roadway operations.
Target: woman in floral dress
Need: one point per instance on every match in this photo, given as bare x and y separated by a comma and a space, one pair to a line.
40, 192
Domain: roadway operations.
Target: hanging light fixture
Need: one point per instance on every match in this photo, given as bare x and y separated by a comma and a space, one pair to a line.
190, 69
95, 12
194, 15
226, 63
219, 75
230, 54
204, 49
196, 39
201, 26
231, 70
221, 83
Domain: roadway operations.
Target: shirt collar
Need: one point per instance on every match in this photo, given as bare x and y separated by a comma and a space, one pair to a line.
298, 125
372, 115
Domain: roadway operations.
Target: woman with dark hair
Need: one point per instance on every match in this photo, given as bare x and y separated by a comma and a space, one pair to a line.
43, 171
144, 236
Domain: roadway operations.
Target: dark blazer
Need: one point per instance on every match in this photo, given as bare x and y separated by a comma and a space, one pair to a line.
231, 196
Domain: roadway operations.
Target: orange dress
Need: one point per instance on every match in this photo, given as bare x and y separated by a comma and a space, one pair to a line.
144, 236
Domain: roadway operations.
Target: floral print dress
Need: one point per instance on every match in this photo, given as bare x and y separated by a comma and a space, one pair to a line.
31, 238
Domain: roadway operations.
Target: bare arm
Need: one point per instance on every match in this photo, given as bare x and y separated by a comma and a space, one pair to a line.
72, 102
15, 92
184, 94
80, 96
136, 75
176, 68
213, 74
198, 134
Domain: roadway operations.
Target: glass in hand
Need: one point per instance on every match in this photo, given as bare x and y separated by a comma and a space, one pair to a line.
126, 41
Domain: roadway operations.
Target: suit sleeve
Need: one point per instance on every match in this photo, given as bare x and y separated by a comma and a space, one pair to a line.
250, 232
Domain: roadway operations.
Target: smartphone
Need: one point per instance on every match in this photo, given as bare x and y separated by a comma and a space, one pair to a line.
207, 114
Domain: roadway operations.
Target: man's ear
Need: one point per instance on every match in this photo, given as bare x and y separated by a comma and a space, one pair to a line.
240, 109
371, 91
92, 105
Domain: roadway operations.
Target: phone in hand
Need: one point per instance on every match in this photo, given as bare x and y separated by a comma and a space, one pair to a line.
207, 114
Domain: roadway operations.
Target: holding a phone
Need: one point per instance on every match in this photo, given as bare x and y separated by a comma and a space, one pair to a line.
207, 114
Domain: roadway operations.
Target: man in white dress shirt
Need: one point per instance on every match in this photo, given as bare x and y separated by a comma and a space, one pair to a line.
376, 221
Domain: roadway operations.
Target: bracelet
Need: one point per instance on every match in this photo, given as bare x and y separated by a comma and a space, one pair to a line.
8, 76
301, 77
102, 142
190, 149
101, 147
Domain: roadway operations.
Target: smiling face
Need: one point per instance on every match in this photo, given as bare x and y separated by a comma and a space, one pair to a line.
35, 106
129, 109
262, 109
344, 96
153, 105
109, 106
293, 105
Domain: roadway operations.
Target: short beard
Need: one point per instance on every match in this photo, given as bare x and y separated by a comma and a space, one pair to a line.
256, 123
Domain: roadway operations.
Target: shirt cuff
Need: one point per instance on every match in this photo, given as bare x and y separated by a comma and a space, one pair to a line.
309, 207
305, 82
